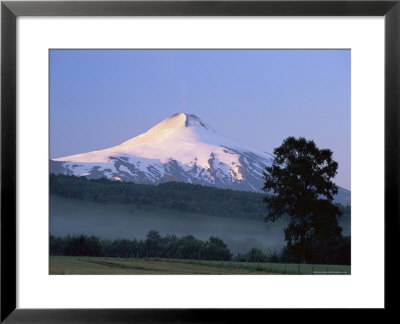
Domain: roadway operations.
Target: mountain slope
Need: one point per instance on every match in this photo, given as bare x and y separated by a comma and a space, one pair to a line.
180, 148
113, 210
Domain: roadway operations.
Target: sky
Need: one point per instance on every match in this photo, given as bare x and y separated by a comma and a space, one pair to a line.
101, 98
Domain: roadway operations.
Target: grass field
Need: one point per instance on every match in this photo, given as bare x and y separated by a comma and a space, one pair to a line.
93, 265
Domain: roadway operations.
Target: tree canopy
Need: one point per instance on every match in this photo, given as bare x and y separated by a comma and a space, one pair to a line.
299, 184
184, 197
153, 246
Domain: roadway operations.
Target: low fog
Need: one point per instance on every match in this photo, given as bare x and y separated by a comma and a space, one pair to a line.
111, 221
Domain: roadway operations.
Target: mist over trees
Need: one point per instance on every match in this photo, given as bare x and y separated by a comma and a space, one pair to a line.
312, 236
300, 179
186, 247
180, 196
154, 246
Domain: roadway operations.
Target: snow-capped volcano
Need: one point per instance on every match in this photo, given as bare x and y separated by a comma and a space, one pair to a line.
180, 148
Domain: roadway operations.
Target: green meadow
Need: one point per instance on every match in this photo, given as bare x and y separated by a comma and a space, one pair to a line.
130, 266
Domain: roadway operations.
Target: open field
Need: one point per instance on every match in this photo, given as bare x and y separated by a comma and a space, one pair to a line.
66, 265
93, 265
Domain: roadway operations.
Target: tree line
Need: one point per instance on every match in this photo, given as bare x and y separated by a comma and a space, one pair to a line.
153, 246
180, 196
184, 197
188, 247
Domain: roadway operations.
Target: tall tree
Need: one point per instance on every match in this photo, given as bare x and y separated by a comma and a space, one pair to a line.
299, 184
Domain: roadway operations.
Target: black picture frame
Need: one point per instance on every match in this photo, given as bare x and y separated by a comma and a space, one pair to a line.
10, 10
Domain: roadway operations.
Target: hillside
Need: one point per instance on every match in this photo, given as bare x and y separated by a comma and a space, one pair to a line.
172, 196
181, 148
127, 210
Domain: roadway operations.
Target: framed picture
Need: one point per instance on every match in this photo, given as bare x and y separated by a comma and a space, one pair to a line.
92, 100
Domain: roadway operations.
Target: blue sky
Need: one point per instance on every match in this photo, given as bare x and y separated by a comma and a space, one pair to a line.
100, 98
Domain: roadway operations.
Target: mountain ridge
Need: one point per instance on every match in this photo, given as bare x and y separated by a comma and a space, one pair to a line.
180, 148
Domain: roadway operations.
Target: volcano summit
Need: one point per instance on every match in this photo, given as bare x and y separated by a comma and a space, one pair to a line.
180, 148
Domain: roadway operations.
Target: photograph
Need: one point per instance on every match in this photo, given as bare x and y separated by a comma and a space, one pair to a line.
199, 161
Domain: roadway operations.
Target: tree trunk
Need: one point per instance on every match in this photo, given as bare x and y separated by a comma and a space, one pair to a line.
302, 249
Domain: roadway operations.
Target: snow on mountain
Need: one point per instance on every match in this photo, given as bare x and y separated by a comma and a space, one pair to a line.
180, 148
